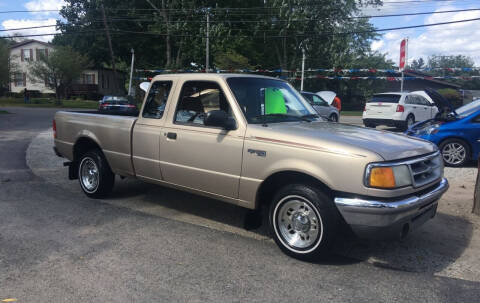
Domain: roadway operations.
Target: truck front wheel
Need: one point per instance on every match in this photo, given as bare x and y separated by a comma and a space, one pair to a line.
95, 176
303, 221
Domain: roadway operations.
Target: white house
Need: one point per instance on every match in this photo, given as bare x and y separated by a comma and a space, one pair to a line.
92, 82
20, 55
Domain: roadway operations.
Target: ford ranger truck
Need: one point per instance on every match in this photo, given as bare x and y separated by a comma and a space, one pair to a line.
253, 141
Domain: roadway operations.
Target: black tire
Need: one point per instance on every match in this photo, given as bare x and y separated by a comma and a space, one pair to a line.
369, 125
285, 222
408, 122
333, 118
448, 159
88, 162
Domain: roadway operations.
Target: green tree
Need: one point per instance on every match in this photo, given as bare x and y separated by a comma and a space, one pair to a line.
437, 61
7, 67
59, 69
231, 60
418, 64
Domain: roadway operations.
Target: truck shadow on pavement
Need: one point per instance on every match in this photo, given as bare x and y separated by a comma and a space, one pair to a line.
432, 248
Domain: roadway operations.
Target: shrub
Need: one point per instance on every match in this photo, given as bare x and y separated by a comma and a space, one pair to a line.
452, 95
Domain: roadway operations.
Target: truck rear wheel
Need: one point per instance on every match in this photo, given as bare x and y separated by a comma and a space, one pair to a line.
303, 221
95, 176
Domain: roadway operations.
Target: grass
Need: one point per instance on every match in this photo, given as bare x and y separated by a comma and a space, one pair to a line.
3, 112
350, 113
44, 102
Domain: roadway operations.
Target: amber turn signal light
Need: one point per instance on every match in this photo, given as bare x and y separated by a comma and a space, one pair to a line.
382, 177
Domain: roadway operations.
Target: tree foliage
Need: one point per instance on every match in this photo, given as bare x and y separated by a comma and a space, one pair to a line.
7, 66
263, 34
59, 69
439, 65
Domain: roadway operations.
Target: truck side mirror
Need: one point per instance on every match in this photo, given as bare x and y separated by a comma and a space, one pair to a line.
144, 86
219, 118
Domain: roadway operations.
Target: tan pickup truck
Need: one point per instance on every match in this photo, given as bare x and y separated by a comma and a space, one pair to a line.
255, 142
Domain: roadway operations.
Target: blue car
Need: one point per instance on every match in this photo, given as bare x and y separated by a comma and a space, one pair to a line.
455, 132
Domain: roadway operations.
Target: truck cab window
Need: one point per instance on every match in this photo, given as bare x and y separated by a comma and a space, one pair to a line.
198, 98
157, 100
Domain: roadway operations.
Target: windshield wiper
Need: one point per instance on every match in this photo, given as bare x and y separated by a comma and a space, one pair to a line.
311, 116
300, 118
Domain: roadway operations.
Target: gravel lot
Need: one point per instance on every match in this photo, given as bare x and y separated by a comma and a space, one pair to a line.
446, 246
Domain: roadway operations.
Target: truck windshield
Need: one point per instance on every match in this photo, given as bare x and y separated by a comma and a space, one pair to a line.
269, 100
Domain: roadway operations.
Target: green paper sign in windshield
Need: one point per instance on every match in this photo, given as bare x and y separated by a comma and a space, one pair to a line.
274, 101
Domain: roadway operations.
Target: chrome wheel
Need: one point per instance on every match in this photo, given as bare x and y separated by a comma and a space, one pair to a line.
454, 153
89, 174
298, 224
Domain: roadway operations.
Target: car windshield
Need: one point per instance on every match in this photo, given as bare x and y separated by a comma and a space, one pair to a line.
469, 108
385, 98
269, 100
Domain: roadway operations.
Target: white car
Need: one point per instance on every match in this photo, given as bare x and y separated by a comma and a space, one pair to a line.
398, 109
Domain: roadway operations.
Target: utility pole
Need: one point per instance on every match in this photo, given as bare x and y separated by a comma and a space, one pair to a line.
131, 73
303, 68
107, 32
207, 59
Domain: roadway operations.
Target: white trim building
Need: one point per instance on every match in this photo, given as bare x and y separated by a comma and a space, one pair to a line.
91, 82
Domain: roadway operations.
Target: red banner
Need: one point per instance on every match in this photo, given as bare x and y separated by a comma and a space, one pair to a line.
403, 52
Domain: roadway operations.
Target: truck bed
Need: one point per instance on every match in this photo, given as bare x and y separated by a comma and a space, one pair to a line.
113, 133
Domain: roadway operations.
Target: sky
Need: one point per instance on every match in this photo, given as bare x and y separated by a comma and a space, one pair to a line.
454, 39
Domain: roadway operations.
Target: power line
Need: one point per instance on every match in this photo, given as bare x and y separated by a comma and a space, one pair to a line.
277, 36
240, 21
225, 8
22, 28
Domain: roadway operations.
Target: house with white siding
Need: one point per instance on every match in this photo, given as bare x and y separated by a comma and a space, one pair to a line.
92, 81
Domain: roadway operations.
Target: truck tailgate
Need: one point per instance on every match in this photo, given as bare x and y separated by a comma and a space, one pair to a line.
111, 132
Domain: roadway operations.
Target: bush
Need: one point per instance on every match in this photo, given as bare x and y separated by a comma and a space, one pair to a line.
452, 95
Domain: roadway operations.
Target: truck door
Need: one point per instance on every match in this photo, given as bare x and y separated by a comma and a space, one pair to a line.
197, 156
147, 131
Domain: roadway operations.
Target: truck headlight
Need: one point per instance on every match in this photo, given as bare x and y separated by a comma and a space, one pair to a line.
380, 176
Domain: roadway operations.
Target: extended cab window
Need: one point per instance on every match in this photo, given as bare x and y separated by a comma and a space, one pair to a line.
198, 98
157, 99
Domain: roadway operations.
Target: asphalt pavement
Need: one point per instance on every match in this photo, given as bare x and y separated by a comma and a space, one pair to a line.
56, 245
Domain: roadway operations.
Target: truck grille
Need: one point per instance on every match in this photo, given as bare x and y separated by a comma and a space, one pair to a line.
426, 169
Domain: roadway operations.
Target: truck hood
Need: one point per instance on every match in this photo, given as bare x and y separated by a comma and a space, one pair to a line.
343, 138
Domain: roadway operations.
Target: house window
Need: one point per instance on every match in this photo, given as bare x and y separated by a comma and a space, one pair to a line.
41, 52
89, 79
20, 79
27, 54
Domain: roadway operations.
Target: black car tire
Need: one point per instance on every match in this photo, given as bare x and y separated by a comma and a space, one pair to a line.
333, 118
287, 221
410, 118
94, 174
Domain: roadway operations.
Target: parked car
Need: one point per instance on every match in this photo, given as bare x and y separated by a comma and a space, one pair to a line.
321, 106
456, 133
118, 105
255, 142
400, 110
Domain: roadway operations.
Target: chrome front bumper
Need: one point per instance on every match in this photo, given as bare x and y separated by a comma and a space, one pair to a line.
371, 218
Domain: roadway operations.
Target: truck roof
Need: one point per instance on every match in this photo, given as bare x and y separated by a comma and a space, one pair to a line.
209, 76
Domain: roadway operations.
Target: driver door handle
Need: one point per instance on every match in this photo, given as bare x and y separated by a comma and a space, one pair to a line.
172, 136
